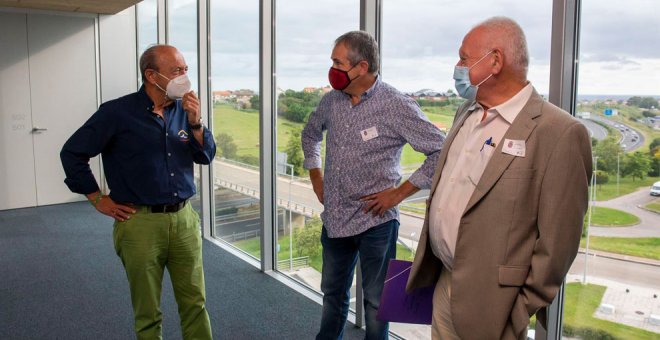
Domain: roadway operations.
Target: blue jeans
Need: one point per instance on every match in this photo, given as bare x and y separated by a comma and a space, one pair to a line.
375, 247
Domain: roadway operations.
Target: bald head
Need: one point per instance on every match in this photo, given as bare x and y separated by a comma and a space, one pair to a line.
504, 34
150, 58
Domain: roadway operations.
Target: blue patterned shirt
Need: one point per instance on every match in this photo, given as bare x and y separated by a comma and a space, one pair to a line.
363, 151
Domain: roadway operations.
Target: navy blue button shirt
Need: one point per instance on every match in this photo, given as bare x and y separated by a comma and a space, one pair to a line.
147, 160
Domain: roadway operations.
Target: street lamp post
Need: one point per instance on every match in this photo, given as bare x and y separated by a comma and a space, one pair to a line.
617, 174
591, 208
412, 243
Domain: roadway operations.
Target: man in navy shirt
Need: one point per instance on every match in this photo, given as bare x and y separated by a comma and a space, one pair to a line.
149, 141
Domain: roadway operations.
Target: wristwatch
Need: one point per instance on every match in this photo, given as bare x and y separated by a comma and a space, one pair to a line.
196, 126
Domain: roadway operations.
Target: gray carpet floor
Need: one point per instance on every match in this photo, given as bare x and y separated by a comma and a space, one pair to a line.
60, 279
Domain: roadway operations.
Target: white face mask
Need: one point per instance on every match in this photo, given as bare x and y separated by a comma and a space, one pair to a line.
176, 87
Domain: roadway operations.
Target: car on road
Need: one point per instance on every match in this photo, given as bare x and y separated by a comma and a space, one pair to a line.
655, 189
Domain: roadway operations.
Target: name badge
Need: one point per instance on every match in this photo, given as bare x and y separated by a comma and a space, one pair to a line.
514, 147
369, 133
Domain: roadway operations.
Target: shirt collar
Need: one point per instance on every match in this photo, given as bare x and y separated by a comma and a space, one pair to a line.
369, 92
145, 101
509, 109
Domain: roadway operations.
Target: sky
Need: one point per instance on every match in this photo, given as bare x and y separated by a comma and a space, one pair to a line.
619, 45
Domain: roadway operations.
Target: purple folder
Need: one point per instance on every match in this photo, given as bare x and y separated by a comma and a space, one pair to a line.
398, 306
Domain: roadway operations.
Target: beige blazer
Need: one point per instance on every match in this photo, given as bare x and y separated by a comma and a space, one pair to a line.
521, 228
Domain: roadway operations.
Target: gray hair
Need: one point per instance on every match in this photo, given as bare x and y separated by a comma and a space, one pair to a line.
506, 34
361, 46
149, 58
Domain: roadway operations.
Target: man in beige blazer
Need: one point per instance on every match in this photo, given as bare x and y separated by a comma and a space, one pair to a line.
506, 208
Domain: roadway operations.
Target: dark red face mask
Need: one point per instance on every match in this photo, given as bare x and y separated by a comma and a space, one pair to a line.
339, 79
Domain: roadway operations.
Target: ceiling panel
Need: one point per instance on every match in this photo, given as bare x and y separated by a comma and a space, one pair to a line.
81, 6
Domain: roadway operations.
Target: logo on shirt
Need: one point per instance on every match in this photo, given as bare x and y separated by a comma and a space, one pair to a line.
183, 135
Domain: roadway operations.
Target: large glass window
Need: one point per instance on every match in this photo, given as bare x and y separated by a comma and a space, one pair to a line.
235, 95
613, 286
182, 34
147, 28
419, 46
305, 38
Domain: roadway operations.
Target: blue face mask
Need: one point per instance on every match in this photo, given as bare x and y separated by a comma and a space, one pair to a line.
462, 81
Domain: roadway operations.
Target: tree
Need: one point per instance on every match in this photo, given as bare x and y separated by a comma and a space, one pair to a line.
653, 147
637, 165
601, 177
254, 102
654, 153
226, 146
607, 151
294, 152
648, 114
296, 106
296, 113
643, 102
308, 238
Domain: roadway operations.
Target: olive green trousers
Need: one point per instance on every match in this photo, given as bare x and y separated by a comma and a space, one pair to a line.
147, 243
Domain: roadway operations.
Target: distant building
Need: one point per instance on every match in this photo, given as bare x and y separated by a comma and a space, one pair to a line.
441, 126
430, 95
222, 96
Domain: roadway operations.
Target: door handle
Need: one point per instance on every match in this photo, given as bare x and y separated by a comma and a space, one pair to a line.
37, 129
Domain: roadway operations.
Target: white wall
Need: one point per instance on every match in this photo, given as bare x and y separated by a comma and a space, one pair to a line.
55, 69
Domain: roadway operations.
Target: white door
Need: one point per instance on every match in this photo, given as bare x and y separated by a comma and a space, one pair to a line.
63, 90
17, 183
48, 89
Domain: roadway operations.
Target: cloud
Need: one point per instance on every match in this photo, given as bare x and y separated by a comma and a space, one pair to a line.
420, 40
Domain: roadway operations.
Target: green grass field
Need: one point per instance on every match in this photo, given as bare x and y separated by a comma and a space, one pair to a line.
580, 303
646, 247
608, 190
655, 206
606, 217
243, 126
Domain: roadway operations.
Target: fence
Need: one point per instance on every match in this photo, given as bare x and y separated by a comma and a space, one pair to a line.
296, 262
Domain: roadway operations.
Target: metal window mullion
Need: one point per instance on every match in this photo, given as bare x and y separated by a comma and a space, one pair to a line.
162, 21
564, 55
267, 133
370, 19
204, 70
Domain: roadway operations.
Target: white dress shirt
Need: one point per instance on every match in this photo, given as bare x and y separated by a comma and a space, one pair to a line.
468, 155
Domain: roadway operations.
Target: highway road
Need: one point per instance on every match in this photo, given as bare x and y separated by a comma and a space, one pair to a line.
595, 130
626, 272
630, 139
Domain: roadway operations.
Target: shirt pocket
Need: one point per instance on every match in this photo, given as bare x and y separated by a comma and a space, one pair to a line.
481, 161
